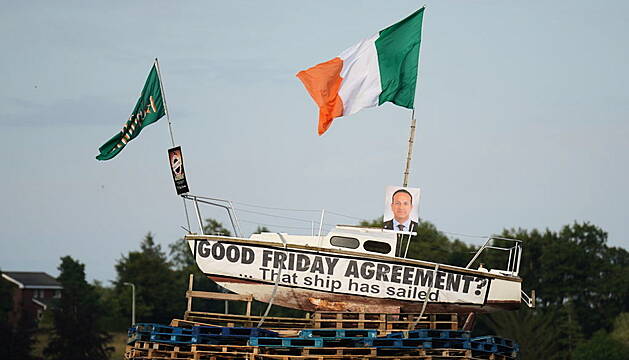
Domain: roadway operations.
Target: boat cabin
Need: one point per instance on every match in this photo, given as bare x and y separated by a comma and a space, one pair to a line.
345, 237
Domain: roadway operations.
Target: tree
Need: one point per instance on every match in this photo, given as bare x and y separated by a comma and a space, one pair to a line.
375, 223
541, 334
621, 329
533, 331
601, 346
77, 333
433, 245
581, 284
159, 293
214, 227
113, 319
261, 229
575, 266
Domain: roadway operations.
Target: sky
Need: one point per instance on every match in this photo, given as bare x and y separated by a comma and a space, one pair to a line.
522, 111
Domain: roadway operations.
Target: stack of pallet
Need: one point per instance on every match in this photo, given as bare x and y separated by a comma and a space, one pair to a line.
328, 336
383, 322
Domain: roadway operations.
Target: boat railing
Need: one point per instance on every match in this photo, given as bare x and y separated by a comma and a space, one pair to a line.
514, 253
528, 300
222, 203
228, 205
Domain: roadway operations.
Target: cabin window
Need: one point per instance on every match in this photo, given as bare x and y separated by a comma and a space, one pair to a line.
346, 242
377, 246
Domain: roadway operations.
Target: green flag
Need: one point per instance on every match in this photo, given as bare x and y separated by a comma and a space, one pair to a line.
149, 109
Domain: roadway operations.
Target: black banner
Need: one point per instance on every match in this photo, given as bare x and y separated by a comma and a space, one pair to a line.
175, 158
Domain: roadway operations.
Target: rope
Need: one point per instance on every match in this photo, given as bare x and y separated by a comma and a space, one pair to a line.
277, 282
276, 225
411, 327
299, 210
465, 235
347, 216
274, 208
279, 216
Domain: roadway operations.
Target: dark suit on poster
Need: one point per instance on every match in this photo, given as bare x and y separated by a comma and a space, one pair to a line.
389, 226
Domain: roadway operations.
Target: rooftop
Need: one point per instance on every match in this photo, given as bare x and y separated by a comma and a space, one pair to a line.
31, 279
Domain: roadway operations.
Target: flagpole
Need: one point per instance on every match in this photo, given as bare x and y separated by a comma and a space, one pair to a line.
409, 154
170, 130
161, 86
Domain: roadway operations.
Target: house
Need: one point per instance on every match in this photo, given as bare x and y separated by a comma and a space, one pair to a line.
33, 293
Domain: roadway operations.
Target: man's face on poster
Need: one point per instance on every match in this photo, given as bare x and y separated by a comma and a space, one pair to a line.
401, 206
175, 163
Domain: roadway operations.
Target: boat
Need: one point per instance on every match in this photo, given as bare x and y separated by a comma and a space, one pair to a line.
352, 269
355, 268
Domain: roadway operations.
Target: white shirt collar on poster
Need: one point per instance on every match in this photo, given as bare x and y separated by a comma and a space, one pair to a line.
407, 225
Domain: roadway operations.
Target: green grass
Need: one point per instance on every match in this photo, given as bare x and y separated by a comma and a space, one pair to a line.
41, 339
118, 341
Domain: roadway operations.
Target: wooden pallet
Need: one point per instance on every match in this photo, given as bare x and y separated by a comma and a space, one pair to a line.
225, 348
319, 351
384, 322
366, 352
489, 356
147, 345
133, 353
157, 351
284, 332
188, 324
222, 355
359, 357
231, 320
154, 351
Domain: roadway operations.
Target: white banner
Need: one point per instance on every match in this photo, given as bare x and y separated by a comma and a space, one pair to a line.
339, 273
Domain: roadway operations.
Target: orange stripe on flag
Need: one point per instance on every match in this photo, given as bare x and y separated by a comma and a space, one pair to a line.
323, 82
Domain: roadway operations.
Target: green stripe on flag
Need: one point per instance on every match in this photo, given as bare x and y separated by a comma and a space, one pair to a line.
398, 58
148, 109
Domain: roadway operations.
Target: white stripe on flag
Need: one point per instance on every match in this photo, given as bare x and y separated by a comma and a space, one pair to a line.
361, 85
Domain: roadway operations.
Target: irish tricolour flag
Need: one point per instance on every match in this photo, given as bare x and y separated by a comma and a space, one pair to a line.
376, 70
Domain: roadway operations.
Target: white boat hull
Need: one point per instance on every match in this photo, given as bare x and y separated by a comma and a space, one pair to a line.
322, 279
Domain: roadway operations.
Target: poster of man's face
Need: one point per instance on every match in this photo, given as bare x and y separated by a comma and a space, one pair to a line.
401, 208
176, 164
